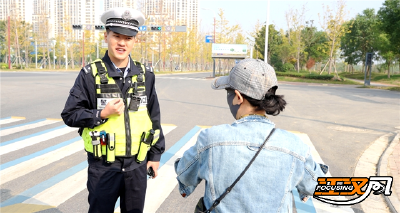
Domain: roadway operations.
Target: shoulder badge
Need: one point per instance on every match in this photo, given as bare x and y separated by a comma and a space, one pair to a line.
149, 69
87, 69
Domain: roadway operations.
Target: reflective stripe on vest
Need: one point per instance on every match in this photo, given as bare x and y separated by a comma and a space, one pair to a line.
127, 127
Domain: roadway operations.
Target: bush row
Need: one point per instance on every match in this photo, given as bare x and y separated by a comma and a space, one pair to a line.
305, 75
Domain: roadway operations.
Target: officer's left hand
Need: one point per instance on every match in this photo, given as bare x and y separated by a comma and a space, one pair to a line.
155, 165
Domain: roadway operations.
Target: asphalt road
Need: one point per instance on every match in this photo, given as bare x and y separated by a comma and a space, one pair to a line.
341, 121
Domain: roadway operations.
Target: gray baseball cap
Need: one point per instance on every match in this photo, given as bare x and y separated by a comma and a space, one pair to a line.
251, 77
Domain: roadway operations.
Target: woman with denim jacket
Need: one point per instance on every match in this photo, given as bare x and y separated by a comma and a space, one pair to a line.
222, 152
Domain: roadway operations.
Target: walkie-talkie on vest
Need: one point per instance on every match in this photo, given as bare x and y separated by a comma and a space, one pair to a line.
135, 99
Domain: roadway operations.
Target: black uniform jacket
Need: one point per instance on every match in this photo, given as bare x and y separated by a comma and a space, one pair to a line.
80, 110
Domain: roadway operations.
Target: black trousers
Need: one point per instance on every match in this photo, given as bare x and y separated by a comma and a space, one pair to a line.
105, 186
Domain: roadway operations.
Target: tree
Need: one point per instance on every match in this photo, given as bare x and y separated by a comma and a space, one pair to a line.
295, 19
316, 47
3, 41
333, 24
389, 16
361, 37
386, 50
274, 41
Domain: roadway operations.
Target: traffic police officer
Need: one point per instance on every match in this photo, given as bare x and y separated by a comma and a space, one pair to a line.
114, 102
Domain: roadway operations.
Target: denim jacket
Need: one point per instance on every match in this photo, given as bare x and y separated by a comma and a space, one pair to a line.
222, 152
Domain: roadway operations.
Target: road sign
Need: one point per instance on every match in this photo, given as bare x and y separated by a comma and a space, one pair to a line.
77, 26
229, 51
156, 28
88, 27
99, 27
143, 28
180, 28
209, 39
168, 28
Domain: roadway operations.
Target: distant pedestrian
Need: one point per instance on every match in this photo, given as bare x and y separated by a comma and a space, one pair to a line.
222, 152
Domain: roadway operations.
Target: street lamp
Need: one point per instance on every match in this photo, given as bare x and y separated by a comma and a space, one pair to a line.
266, 35
214, 20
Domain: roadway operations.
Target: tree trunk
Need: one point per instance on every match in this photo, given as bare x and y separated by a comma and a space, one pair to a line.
389, 70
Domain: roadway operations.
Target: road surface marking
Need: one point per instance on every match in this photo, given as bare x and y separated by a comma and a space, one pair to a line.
58, 193
318, 205
26, 167
19, 128
158, 189
56, 190
30, 140
10, 120
44, 185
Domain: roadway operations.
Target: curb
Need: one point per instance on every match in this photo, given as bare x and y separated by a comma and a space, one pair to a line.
391, 200
367, 166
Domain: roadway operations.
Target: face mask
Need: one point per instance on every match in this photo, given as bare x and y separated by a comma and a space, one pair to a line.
234, 108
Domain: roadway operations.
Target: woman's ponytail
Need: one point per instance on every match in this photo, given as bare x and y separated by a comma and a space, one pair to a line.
272, 104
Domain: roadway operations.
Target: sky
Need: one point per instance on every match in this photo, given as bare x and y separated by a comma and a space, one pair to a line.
247, 12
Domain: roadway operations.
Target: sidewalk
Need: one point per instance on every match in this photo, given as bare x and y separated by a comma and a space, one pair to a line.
394, 171
372, 83
382, 158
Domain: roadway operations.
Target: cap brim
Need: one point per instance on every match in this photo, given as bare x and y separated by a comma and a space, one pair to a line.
221, 83
123, 31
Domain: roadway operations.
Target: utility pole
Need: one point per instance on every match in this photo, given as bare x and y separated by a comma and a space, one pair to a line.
66, 56
83, 48
9, 46
97, 55
36, 54
214, 32
54, 54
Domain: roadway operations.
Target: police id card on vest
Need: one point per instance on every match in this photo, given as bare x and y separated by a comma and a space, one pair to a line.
102, 102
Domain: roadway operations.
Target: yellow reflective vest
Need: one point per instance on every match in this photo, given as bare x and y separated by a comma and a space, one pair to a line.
131, 128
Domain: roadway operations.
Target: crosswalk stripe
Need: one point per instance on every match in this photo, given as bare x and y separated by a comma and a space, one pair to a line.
44, 185
57, 194
54, 193
159, 189
26, 167
10, 120
33, 139
37, 154
318, 205
19, 128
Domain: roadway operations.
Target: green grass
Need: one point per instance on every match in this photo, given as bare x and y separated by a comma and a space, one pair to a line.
376, 77
305, 80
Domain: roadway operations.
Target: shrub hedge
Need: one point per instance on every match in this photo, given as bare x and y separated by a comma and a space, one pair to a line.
305, 75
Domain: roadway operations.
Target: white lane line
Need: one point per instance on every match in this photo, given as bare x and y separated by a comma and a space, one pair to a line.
11, 119
62, 191
158, 189
321, 207
34, 140
26, 167
26, 127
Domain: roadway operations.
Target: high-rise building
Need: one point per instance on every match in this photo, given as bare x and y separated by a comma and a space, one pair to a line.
178, 12
135, 4
15, 9
57, 17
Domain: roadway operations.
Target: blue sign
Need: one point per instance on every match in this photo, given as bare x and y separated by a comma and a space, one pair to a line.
143, 28
209, 39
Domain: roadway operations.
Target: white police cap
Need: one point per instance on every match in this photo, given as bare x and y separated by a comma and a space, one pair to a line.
122, 20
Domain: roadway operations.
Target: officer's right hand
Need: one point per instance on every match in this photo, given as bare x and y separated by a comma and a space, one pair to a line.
114, 107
